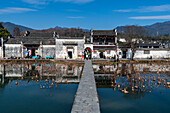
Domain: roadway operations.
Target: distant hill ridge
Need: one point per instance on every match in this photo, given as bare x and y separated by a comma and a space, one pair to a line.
10, 27
154, 29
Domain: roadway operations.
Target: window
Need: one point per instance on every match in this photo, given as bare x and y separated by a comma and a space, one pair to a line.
108, 51
155, 46
146, 52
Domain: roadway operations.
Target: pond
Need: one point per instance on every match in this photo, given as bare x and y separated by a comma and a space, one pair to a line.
136, 88
33, 88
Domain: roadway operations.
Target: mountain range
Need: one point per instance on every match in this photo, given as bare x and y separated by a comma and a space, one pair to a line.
10, 27
154, 29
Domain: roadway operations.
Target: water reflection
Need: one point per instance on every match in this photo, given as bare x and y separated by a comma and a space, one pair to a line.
137, 77
32, 88
133, 87
58, 73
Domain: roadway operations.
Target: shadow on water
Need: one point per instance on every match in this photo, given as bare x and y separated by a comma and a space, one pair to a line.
133, 87
40, 87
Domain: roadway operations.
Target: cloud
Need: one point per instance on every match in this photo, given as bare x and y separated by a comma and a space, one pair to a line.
151, 17
123, 10
75, 1
161, 8
75, 17
40, 2
15, 10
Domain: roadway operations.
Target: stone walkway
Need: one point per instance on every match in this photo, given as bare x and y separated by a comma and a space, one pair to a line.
86, 100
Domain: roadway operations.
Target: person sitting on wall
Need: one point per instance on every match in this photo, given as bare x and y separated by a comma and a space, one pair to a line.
89, 55
117, 58
114, 56
84, 55
150, 57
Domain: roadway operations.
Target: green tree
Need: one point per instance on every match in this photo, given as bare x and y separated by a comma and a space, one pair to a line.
4, 32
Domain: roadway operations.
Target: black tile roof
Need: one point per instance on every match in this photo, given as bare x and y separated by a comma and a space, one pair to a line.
37, 40
67, 37
103, 32
41, 34
148, 44
37, 37
34, 38
124, 45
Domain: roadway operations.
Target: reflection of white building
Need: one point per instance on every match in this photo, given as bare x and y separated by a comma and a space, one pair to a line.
12, 70
110, 70
152, 67
102, 70
59, 72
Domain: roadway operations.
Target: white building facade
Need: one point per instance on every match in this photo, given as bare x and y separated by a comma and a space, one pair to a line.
69, 47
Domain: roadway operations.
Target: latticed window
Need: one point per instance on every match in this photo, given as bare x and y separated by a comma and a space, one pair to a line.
7, 50
15, 51
46, 51
146, 52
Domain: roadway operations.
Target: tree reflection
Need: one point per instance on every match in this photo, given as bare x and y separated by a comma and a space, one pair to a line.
133, 79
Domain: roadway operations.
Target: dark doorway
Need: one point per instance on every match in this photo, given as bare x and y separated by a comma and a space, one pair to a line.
88, 53
101, 55
124, 53
33, 52
70, 55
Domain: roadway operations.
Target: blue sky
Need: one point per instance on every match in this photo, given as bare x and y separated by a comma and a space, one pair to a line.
96, 14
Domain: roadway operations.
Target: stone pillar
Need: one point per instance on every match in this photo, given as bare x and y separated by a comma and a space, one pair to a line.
116, 43
2, 50
56, 47
22, 70
22, 50
116, 36
41, 49
3, 73
91, 35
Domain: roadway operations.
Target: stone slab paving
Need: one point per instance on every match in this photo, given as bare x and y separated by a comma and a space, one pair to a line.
86, 100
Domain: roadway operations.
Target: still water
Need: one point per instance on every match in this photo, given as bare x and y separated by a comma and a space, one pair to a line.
38, 88
133, 88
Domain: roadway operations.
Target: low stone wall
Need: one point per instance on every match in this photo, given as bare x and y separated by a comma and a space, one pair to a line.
154, 54
13, 50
